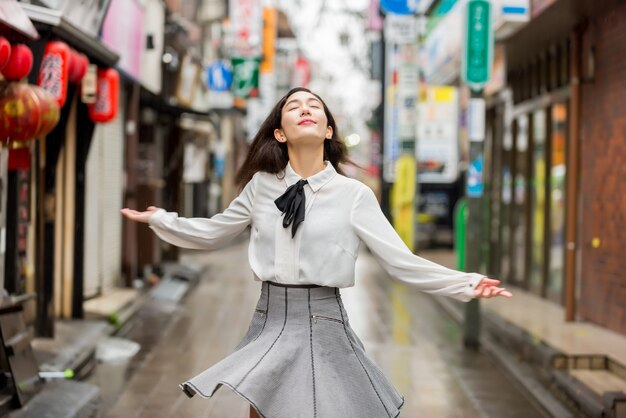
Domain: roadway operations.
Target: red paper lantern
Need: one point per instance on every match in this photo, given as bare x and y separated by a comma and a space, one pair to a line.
5, 52
28, 112
48, 110
83, 63
20, 117
20, 63
78, 66
54, 72
107, 100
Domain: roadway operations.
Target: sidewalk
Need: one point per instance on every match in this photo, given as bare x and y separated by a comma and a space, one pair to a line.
586, 362
126, 313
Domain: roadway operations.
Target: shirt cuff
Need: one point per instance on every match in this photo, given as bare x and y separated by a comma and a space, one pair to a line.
156, 217
470, 287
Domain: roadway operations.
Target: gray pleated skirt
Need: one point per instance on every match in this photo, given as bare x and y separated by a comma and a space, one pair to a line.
300, 358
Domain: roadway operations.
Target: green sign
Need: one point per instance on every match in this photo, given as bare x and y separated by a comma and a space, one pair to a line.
246, 76
478, 45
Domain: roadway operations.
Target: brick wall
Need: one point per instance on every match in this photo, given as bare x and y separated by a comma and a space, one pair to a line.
603, 175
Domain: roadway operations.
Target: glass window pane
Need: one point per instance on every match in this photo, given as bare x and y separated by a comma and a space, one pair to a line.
557, 202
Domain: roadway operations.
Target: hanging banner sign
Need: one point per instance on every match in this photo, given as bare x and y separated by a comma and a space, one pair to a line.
246, 76
246, 18
478, 57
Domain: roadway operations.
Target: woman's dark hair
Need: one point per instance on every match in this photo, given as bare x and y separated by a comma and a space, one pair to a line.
268, 155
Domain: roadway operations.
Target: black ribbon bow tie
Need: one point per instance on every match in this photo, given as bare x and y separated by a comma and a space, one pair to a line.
292, 205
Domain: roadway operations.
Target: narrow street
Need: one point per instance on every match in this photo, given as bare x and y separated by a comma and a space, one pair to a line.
416, 344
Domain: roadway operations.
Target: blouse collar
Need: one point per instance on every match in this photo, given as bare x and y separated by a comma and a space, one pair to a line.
316, 181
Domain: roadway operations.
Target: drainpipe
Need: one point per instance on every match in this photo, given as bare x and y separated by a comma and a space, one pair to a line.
573, 179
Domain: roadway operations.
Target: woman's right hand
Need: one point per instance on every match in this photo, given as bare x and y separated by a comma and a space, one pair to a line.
137, 216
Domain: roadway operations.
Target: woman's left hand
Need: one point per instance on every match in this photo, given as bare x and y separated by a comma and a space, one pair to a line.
488, 288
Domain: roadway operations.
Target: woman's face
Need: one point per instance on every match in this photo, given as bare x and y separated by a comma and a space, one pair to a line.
303, 121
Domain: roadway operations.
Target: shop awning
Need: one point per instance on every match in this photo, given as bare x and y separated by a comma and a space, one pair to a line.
13, 17
60, 26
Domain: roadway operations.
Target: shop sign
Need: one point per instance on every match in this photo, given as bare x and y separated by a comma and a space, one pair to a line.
375, 20
246, 76
437, 149
478, 56
401, 29
187, 81
246, 17
475, 185
391, 147
441, 56
123, 32
399, 7
89, 85
219, 76
270, 30
476, 120
407, 93
509, 16
152, 56
301, 73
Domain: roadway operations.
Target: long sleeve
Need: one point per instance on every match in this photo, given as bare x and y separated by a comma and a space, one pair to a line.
206, 233
376, 232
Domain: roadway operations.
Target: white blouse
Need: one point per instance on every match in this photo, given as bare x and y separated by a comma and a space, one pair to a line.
340, 214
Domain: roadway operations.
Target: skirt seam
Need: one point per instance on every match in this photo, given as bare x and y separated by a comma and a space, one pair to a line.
312, 358
267, 312
357, 356
269, 349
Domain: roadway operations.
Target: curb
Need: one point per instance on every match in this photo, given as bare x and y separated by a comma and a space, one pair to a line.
511, 357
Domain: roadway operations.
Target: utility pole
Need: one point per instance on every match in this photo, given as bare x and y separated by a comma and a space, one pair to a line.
476, 72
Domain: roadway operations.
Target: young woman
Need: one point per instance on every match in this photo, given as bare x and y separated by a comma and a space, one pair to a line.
300, 357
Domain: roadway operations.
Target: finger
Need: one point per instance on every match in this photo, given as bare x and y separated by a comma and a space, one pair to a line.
497, 290
490, 282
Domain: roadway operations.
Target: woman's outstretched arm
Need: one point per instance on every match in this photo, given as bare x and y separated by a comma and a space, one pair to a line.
377, 233
200, 233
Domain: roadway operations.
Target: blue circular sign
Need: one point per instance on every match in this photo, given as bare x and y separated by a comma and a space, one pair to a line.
399, 7
219, 76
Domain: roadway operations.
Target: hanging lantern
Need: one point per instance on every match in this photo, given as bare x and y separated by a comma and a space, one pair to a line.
78, 66
54, 72
20, 116
48, 109
5, 52
28, 112
107, 100
20, 63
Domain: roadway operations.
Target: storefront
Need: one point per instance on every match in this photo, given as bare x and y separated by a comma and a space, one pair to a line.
527, 124
542, 168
